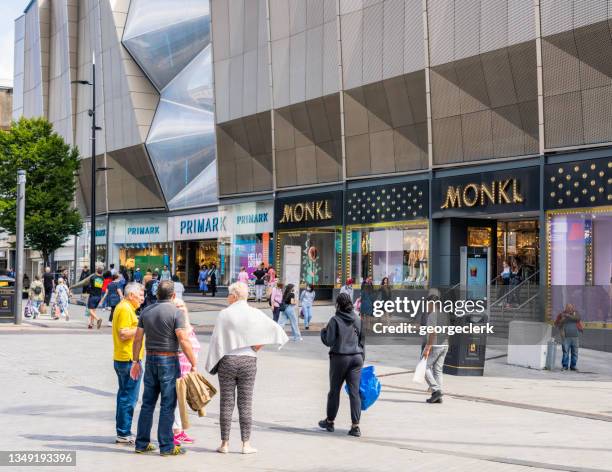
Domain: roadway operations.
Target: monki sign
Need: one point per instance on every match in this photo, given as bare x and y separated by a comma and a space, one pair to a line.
308, 211
496, 192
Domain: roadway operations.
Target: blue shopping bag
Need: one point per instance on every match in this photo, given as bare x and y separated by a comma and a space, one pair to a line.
369, 387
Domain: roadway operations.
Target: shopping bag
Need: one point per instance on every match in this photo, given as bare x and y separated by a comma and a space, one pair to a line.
419, 372
369, 387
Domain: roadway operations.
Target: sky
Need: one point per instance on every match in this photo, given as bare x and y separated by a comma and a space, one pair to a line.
9, 10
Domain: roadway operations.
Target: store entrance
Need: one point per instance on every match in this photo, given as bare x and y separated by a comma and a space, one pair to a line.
515, 242
191, 255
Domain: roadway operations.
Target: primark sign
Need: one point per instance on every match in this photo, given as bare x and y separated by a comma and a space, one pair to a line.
248, 218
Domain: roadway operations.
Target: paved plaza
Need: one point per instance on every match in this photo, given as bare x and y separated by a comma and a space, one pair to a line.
63, 386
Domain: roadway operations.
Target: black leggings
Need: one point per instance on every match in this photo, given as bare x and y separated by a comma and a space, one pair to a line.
344, 368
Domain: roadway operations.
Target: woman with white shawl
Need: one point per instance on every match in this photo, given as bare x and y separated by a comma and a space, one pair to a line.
240, 331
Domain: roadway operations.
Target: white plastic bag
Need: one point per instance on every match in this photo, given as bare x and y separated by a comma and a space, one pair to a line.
419, 372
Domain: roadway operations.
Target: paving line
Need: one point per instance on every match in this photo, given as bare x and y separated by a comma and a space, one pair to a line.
523, 406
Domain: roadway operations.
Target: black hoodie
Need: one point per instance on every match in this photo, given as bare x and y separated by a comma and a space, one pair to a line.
343, 334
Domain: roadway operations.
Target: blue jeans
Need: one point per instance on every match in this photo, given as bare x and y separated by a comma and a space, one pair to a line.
307, 309
570, 345
289, 314
127, 396
160, 377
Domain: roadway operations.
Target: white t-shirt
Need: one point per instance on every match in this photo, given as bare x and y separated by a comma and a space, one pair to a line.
179, 289
243, 351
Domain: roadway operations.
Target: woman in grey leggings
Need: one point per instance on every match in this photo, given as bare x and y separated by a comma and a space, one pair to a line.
237, 371
240, 331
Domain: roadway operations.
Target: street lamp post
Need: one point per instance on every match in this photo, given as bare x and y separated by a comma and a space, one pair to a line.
20, 223
94, 128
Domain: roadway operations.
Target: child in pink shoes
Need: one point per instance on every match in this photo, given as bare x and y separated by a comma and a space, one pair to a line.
180, 436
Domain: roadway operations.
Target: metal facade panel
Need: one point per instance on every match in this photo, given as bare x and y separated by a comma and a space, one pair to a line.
393, 38
521, 21
314, 13
414, 43
279, 19
352, 49
252, 23
249, 87
221, 29
331, 79
236, 77
587, 12
372, 43
441, 19
297, 70
314, 62
222, 92
447, 140
280, 72
493, 25
563, 120
467, 28
556, 16
263, 80
297, 16
237, 26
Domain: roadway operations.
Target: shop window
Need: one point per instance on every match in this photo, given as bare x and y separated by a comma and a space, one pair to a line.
399, 253
320, 262
580, 263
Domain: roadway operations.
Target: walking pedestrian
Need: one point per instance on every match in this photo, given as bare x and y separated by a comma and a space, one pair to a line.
212, 280
125, 323
307, 298
385, 290
94, 282
179, 288
345, 339
49, 285
287, 312
164, 326
138, 276
202, 280
260, 284
165, 274
243, 276
61, 300
240, 332
570, 326
36, 295
113, 295
178, 429
112, 269
151, 288
276, 298
436, 347
348, 288
108, 278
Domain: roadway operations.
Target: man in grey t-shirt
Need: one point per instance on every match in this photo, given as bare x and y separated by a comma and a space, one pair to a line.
164, 326
436, 348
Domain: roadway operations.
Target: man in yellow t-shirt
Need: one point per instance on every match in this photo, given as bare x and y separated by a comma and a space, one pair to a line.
125, 323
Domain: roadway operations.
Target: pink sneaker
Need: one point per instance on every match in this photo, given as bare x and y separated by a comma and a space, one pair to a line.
177, 441
184, 438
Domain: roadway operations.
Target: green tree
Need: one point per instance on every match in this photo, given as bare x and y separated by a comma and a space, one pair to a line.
50, 165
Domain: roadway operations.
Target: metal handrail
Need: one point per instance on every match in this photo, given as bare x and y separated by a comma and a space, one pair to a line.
505, 296
526, 301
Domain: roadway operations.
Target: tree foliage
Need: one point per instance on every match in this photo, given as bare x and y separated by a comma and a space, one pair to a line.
50, 165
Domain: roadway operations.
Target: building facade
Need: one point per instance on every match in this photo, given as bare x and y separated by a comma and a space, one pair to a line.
385, 134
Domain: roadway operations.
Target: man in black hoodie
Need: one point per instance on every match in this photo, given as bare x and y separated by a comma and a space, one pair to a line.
344, 337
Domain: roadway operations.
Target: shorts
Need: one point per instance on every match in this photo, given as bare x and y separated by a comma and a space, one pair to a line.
93, 302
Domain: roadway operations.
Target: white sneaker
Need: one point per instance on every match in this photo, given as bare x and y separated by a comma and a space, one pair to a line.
130, 440
248, 450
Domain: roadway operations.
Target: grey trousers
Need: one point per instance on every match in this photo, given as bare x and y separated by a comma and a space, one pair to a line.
237, 373
435, 364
